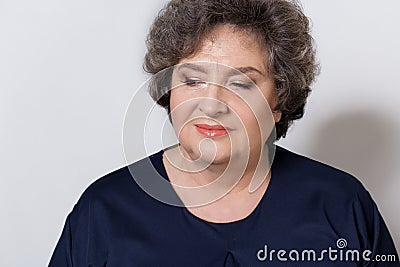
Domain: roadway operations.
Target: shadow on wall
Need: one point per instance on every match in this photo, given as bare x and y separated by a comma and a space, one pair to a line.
362, 143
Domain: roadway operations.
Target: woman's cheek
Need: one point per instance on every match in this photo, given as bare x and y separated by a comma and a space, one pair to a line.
182, 111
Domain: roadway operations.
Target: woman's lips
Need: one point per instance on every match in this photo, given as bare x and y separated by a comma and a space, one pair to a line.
211, 130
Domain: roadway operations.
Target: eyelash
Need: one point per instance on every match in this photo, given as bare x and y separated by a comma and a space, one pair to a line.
193, 82
243, 85
196, 82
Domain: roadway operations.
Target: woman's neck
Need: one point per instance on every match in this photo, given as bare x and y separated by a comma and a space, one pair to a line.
217, 180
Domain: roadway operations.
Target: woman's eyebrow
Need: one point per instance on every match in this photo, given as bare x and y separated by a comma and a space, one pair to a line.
248, 69
233, 70
192, 66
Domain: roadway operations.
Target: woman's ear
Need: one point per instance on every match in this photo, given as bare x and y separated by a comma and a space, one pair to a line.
277, 115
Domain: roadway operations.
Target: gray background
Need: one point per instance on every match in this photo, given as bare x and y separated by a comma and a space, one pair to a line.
68, 70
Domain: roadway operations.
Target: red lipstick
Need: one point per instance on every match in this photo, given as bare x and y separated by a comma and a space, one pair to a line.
211, 130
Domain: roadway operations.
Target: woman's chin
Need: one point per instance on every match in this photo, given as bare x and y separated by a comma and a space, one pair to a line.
209, 156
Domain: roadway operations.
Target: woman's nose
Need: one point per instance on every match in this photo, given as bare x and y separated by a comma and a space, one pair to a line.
212, 103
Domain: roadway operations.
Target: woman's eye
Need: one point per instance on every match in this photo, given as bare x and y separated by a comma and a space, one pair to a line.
194, 82
241, 85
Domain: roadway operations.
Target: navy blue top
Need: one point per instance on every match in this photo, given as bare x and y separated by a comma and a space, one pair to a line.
310, 214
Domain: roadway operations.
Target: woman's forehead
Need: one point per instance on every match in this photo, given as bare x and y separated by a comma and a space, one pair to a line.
233, 47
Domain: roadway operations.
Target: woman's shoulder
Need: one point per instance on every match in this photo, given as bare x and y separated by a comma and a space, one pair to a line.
314, 187
323, 195
120, 183
304, 173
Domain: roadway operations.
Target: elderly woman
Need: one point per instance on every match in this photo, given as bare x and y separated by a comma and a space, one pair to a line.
233, 75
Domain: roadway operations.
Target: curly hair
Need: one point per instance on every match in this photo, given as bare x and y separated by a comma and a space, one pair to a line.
177, 31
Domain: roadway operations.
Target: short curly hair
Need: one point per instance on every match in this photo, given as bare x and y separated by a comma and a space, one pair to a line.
177, 31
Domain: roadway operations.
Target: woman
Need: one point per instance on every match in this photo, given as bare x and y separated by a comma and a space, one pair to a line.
233, 75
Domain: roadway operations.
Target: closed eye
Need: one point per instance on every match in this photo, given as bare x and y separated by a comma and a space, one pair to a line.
241, 85
194, 82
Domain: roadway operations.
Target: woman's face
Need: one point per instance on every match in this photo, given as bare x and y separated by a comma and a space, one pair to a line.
233, 108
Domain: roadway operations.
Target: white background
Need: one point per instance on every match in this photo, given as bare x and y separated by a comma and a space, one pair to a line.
68, 70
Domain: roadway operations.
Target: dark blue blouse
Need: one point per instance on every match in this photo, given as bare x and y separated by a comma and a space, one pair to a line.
311, 215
